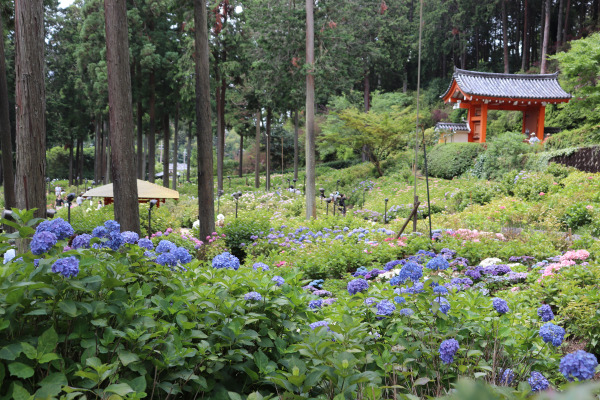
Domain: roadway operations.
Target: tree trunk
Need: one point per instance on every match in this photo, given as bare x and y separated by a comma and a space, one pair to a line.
546, 37
366, 95
257, 144
566, 26
175, 146
76, 173
241, 166
206, 205
107, 141
140, 137
311, 204
505, 36
121, 116
296, 144
8, 173
30, 106
220, 140
102, 162
71, 162
561, 4
152, 131
166, 141
268, 174
189, 151
81, 162
525, 58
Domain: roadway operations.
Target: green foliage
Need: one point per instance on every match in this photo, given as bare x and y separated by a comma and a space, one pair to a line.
576, 216
57, 163
239, 232
504, 153
452, 159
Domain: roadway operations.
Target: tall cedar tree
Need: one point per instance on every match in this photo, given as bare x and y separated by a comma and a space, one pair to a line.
310, 190
206, 205
121, 116
31, 106
8, 173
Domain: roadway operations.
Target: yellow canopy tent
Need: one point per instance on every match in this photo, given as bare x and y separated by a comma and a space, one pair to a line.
146, 191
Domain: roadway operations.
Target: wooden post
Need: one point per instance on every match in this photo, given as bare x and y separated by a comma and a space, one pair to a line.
484, 110
540, 124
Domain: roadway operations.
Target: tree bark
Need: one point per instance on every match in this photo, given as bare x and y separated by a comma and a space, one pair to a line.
296, 143
71, 162
311, 204
366, 95
257, 144
152, 131
76, 173
525, 58
561, 4
268, 158
565, 31
175, 146
220, 138
166, 141
8, 173
140, 136
241, 166
206, 205
546, 36
505, 35
107, 149
30, 106
81, 162
121, 116
189, 151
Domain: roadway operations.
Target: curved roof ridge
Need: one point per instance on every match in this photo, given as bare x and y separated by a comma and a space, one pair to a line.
459, 71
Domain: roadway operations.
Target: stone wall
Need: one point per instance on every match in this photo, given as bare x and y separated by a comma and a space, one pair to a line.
585, 159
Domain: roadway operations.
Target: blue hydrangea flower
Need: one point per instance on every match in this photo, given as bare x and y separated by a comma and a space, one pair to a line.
314, 304
357, 285
444, 304
166, 259
182, 255
112, 226
100, 232
42, 242
330, 301
438, 263
391, 265
226, 260
260, 265
130, 237
553, 334
406, 312
278, 280
67, 266
254, 296
317, 283
115, 240
369, 301
385, 308
399, 300
538, 382
440, 290
61, 228
81, 241
165, 246
545, 313
447, 350
322, 293
507, 377
146, 243
500, 305
317, 324
580, 364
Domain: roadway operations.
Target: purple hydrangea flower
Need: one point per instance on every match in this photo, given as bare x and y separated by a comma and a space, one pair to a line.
357, 285
314, 304
61, 228
438, 263
82, 241
262, 266
444, 304
112, 226
385, 308
406, 312
538, 382
254, 296
399, 300
182, 255
317, 324
165, 246
130, 237
322, 293
100, 232
551, 333
447, 350
391, 265
545, 313
580, 364
330, 301
278, 280
166, 259
146, 244
369, 301
67, 266
226, 260
42, 242
507, 377
440, 290
500, 305
474, 273
115, 240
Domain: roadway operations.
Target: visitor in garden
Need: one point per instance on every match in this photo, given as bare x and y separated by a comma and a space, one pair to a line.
59, 201
100, 205
79, 200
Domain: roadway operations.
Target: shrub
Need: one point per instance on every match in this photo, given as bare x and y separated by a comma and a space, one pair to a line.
576, 216
452, 159
504, 153
239, 232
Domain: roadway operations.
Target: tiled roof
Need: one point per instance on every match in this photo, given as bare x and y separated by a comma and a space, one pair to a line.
452, 126
514, 86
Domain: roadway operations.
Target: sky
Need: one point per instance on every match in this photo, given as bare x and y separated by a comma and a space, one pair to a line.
65, 3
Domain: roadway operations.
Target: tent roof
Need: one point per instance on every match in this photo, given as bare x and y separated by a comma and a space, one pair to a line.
146, 190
